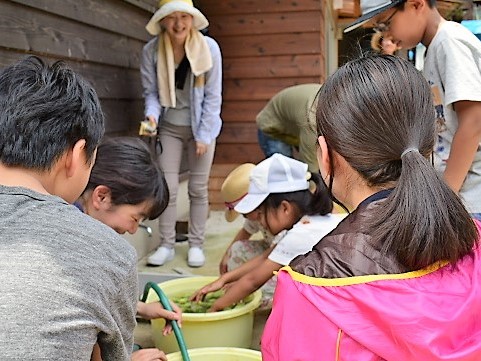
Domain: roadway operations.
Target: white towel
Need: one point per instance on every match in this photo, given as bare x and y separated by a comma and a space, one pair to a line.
200, 60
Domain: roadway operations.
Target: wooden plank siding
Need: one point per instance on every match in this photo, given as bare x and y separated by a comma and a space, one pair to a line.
266, 46
100, 39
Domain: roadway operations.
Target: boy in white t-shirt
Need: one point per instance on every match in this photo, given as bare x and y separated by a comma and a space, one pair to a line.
452, 67
279, 192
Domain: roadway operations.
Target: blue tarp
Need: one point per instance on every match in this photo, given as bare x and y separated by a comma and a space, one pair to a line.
474, 26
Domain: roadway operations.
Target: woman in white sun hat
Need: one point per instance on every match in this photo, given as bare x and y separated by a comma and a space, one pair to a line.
279, 191
182, 83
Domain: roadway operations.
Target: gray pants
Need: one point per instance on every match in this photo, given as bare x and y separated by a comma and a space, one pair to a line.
175, 140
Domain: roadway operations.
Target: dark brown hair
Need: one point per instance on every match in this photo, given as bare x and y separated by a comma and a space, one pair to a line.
370, 112
44, 110
305, 201
431, 4
126, 166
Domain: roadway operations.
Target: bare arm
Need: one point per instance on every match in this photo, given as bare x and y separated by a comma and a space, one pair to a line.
150, 311
247, 267
231, 276
249, 283
96, 354
149, 354
465, 143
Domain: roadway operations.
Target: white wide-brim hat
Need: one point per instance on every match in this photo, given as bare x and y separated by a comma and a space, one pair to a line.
168, 7
371, 8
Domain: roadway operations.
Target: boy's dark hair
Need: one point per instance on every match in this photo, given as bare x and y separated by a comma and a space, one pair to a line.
431, 4
387, 109
44, 111
307, 203
126, 166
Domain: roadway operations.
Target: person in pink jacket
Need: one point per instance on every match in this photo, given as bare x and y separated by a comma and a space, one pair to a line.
400, 276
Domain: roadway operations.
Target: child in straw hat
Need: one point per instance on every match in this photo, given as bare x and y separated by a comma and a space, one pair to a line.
242, 248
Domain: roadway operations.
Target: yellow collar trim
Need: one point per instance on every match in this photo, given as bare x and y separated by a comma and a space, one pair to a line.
356, 280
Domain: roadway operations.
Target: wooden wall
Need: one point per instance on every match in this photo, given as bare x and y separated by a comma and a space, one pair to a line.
100, 39
267, 46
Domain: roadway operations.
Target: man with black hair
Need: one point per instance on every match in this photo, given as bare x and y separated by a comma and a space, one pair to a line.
68, 281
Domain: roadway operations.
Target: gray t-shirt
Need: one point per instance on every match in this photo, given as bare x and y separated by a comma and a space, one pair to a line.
453, 69
66, 282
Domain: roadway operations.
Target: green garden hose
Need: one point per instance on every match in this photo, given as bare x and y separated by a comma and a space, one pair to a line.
165, 302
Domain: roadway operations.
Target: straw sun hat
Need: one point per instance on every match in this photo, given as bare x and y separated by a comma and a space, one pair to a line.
167, 7
235, 188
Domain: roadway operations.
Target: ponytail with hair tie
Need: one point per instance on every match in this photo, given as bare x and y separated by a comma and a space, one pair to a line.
408, 150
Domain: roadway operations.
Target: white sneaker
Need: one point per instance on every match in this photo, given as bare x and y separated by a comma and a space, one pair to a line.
162, 255
195, 257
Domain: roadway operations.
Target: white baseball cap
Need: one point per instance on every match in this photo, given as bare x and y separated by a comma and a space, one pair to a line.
371, 8
276, 174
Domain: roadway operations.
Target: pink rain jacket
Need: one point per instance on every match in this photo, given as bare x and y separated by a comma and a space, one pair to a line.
427, 315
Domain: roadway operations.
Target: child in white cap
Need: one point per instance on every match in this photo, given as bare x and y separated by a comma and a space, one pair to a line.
246, 244
182, 86
243, 247
279, 192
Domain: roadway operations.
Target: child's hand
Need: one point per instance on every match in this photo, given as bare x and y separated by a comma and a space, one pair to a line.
149, 354
150, 311
211, 287
215, 308
223, 263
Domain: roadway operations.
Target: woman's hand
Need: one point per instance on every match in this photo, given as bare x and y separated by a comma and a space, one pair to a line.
148, 127
149, 354
201, 149
152, 120
211, 287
